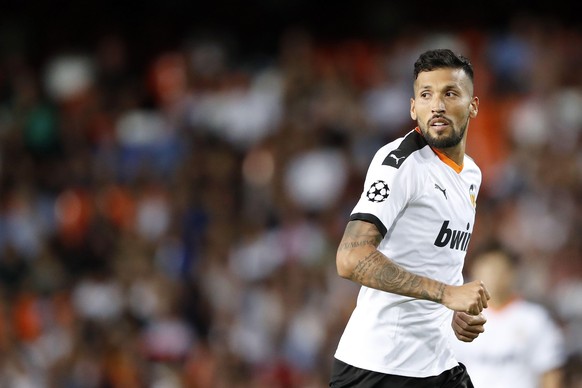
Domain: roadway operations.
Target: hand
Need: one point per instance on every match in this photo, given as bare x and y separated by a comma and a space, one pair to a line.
468, 327
470, 298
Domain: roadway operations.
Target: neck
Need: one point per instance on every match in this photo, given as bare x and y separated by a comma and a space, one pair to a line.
458, 167
456, 154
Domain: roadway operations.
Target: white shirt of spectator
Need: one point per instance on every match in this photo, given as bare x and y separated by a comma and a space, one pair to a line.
520, 343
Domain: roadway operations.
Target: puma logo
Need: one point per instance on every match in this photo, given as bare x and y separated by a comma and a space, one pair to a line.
444, 191
396, 158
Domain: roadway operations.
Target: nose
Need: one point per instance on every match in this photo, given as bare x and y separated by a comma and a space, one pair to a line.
438, 105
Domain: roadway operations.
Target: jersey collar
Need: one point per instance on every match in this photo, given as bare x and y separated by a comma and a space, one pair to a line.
444, 158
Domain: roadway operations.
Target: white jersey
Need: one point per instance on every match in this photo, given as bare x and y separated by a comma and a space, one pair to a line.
424, 206
520, 343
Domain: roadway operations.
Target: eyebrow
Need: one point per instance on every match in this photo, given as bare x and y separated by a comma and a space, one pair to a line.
447, 86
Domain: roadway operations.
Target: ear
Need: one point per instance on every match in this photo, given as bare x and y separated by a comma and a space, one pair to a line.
474, 109
412, 109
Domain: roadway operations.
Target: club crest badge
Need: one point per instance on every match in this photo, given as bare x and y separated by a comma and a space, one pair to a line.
473, 196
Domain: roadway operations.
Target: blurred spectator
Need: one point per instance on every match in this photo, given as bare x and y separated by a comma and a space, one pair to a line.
522, 345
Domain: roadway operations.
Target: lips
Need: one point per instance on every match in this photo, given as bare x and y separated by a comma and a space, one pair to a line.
438, 122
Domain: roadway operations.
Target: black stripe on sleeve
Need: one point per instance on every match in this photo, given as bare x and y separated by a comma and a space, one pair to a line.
412, 142
371, 219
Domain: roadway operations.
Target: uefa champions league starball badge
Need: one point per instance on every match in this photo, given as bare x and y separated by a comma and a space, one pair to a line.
378, 192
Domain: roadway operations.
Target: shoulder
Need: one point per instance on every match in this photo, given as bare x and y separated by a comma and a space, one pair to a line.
397, 153
535, 311
470, 168
470, 162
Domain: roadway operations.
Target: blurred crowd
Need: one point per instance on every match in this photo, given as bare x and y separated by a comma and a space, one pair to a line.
176, 226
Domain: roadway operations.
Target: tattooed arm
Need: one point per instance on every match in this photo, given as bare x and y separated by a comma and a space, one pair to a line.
359, 260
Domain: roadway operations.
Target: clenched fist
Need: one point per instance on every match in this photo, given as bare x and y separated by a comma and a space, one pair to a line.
468, 327
470, 298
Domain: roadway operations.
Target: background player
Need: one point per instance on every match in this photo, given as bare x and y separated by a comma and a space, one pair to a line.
522, 346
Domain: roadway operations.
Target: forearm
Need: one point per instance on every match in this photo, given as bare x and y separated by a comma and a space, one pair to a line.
359, 260
377, 271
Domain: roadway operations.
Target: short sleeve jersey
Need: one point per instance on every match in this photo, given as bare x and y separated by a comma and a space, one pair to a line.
424, 206
510, 353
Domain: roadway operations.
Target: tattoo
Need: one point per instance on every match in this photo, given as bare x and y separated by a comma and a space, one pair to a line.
363, 267
438, 295
441, 293
375, 270
355, 244
362, 232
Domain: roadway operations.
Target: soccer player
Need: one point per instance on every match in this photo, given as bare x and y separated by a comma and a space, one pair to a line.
522, 346
406, 241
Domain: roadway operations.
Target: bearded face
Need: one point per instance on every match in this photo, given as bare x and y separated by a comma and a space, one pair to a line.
442, 105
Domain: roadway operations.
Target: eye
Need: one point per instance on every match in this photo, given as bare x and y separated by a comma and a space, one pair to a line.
425, 94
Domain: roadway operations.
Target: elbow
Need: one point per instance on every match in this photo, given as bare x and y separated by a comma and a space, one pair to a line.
344, 267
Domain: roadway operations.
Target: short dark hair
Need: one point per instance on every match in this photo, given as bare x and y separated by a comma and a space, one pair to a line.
442, 59
495, 246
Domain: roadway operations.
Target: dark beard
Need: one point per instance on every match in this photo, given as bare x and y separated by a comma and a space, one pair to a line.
445, 142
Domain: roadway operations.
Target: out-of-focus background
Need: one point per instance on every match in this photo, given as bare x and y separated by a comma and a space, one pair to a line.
175, 176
